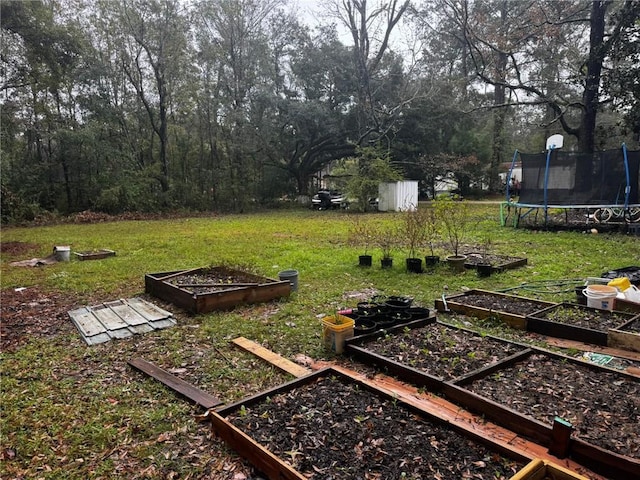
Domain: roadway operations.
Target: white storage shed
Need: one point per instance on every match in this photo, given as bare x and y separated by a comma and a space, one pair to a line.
398, 196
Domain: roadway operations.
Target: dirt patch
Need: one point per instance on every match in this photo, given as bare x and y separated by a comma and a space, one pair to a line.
333, 429
15, 249
442, 351
604, 407
32, 312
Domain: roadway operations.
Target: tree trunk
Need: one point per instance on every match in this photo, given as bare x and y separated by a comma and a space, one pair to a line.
590, 96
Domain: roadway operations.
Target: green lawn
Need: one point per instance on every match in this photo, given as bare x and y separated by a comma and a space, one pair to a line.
74, 411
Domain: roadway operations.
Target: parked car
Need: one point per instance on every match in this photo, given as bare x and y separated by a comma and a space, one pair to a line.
329, 199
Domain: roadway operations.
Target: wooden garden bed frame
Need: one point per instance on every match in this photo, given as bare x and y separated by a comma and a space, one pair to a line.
262, 289
455, 303
600, 460
275, 468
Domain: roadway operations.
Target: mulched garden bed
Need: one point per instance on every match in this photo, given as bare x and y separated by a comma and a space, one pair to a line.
204, 289
500, 302
441, 350
633, 326
581, 316
603, 406
215, 279
334, 428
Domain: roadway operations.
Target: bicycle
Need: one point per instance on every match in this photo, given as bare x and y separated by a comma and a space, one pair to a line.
617, 215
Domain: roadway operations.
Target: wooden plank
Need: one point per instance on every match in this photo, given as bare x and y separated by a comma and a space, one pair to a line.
148, 310
583, 347
271, 357
186, 389
623, 339
107, 317
86, 322
125, 312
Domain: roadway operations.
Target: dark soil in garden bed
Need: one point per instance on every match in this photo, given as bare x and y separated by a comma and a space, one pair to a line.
215, 279
442, 351
604, 407
585, 317
501, 303
633, 326
331, 429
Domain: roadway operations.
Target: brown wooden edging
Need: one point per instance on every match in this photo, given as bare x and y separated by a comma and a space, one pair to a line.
455, 303
186, 389
600, 460
624, 337
263, 290
275, 468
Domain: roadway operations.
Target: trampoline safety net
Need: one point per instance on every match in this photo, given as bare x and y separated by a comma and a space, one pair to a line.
580, 179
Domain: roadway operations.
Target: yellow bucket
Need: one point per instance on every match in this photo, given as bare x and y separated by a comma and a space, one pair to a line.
334, 334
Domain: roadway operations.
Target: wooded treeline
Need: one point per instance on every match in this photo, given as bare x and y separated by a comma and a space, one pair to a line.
146, 105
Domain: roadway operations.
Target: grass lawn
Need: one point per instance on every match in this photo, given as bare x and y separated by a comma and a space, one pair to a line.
74, 411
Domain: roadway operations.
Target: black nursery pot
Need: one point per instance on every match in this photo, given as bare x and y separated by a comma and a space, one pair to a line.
431, 261
414, 265
386, 262
484, 270
364, 260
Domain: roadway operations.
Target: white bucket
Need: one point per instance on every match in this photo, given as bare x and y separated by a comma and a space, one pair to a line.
62, 253
600, 296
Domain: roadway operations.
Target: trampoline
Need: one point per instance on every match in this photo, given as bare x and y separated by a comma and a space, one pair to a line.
599, 188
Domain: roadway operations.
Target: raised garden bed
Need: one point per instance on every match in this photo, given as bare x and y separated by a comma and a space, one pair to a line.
329, 425
438, 351
205, 289
602, 405
498, 263
577, 322
511, 309
462, 359
623, 305
95, 254
626, 336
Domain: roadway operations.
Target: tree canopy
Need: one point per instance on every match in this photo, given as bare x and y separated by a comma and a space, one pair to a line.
158, 104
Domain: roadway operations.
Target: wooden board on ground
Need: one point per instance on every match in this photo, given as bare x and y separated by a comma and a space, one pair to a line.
186, 389
271, 357
584, 347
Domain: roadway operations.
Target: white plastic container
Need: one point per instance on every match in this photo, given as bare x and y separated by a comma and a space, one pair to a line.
632, 294
62, 253
600, 296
